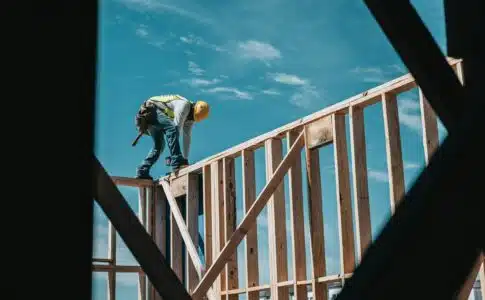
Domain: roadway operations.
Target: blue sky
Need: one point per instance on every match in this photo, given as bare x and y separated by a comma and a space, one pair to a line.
260, 64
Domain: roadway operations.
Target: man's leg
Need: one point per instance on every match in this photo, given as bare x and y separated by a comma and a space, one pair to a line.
156, 133
172, 136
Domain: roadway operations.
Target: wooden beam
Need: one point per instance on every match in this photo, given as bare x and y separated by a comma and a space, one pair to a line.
317, 232
344, 202
178, 186
371, 96
229, 180
135, 236
429, 124
276, 224
360, 182
249, 195
297, 222
184, 231
467, 287
217, 225
395, 168
192, 213
142, 210
133, 182
160, 230
320, 132
116, 269
112, 257
206, 179
249, 220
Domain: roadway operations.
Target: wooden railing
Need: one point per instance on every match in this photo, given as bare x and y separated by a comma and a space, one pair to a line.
208, 188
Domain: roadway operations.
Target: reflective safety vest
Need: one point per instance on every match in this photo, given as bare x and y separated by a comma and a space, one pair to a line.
163, 99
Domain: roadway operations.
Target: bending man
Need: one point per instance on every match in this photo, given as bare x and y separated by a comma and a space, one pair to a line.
165, 117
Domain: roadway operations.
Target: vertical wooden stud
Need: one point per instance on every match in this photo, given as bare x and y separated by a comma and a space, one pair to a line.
360, 182
276, 224
176, 246
192, 213
112, 258
160, 216
142, 216
344, 204
206, 179
393, 149
230, 217
249, 195
319, 267
297, 222
217, 221
429, 126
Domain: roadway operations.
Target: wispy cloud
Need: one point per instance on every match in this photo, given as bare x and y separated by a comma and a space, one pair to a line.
305, 93
230, 90
157, 6
411, 165
409, 114
196, 82
271, 92
199, 41
195, 69
378, 74
377, 175
257, 50
145, 33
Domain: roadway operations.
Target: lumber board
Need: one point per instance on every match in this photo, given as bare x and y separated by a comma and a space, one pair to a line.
360, 181
250, 219
398, 85
320, 132
130, 229
133, 182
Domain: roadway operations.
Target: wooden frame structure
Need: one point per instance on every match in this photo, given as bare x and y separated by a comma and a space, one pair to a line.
209, 187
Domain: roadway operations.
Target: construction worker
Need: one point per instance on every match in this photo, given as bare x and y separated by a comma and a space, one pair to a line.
168, 116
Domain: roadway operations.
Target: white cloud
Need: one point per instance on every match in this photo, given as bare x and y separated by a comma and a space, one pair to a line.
198, 41
271, 92
409, 114
258, 50
411, 165
288, 79
202, 82
306, 92
380, 176
237, 93
156, 6
378, 74
195, 69
141, 32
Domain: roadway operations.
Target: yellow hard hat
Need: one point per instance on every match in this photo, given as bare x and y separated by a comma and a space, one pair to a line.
201, 110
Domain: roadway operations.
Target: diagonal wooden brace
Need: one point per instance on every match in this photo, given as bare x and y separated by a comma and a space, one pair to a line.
199, 267
135, 236
250, 218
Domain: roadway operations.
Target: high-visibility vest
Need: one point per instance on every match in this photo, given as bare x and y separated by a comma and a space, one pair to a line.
165, 99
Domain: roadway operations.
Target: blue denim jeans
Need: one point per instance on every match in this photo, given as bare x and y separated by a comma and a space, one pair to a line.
163, 128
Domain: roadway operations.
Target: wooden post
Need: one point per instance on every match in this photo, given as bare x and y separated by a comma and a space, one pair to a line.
230, 218
344, 203
142, 216
192, 208
217, 221
276, 224
359, 172
176, 245
429, 126
160, 217
393, 149
314, 186
206, 179
112, 262
249, 195
297, 222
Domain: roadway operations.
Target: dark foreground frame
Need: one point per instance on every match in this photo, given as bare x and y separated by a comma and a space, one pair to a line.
436, 227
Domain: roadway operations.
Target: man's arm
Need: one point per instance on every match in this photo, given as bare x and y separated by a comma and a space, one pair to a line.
181, 111
187, 135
